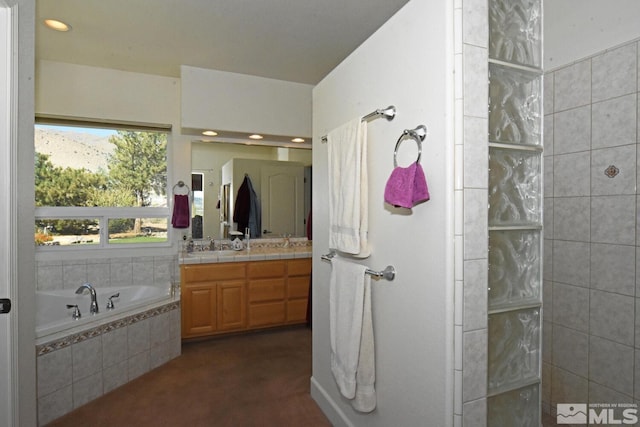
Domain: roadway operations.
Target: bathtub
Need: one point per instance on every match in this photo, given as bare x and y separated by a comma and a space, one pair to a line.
53, 316
101, 352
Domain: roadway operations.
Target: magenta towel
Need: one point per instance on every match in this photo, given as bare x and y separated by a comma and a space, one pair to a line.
406, 187
180, 218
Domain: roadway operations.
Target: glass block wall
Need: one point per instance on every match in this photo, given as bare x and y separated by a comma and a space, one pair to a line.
515, 213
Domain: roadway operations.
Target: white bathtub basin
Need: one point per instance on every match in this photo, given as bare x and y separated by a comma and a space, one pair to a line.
52, 314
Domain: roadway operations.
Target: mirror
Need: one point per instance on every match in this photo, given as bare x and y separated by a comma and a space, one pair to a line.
214, 202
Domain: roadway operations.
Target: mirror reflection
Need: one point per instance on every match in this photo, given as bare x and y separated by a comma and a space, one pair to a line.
280, 178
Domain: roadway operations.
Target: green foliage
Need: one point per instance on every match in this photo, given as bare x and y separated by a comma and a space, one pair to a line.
115, 197
55, 186
120, 225
139, 164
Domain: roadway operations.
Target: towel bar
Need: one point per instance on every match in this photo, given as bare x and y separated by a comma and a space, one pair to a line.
388, 113
389, 273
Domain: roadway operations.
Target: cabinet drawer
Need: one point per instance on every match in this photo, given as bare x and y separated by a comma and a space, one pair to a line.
212, 272
300, 267
298, 287
266, 290
264, 314
297, 310
261, 269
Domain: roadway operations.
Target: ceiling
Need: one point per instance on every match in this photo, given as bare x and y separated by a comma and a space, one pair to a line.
293, 40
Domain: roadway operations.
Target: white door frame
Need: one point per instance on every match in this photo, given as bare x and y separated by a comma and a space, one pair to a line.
8, 345
17, 261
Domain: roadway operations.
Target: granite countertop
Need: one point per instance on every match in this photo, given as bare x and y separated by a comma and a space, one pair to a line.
260, 250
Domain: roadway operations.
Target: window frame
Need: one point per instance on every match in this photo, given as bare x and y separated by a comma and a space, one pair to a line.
104, 214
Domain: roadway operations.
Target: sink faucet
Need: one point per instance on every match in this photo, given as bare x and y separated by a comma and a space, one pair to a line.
94, 297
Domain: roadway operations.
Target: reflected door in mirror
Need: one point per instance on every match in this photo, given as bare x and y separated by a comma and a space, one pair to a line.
282, 201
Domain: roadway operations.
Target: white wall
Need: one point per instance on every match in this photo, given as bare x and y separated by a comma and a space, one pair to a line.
219, 100
100, 93
405, 63
575, 29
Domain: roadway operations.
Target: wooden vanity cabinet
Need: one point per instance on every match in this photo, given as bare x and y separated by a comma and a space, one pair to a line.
267, 293
298, 282
213, 298
236, 296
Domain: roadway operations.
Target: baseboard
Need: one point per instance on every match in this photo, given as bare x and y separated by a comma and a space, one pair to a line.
328, 406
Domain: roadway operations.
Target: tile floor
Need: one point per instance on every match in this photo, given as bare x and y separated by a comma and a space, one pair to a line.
259, 379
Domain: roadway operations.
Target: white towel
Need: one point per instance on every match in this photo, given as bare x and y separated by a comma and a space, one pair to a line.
351, 333
348, 188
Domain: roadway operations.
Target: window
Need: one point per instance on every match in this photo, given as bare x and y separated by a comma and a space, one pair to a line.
100, 187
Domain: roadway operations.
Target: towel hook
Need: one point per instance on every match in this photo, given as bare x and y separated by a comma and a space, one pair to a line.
418, 134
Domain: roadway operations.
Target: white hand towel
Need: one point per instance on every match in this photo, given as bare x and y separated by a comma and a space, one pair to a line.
365, 398
348, 188
351, 333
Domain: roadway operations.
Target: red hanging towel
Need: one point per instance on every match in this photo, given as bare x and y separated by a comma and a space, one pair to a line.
180, 218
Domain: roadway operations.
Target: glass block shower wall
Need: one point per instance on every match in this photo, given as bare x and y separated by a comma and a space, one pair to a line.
515, 213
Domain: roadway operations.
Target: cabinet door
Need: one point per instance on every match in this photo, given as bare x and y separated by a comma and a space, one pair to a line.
231, 305
198, 310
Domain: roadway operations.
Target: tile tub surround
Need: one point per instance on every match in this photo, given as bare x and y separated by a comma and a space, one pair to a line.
76, 369
591, 334
77, 366
107, 272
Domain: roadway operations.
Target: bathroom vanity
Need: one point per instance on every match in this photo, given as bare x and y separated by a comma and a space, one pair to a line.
224, 297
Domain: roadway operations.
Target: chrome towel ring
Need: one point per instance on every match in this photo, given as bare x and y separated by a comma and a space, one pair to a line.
181, 185
418, 134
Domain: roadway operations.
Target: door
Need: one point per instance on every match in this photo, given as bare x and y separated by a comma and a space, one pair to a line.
282, 199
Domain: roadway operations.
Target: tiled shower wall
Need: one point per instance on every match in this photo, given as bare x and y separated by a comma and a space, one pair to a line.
591, 319
471, 199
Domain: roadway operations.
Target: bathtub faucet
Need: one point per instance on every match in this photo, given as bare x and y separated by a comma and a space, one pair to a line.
94, 297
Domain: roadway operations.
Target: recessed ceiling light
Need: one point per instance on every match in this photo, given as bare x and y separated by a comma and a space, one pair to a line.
54, 24
255, 136
297, 140
209, 133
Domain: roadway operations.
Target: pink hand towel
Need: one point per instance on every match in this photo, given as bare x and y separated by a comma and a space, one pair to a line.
406, 187
180, 218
